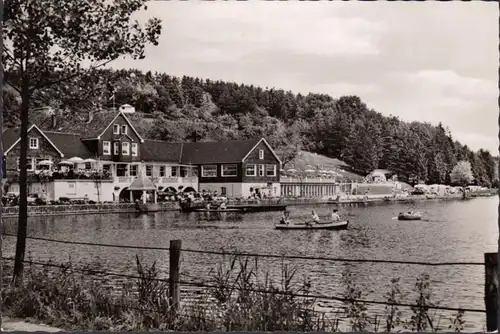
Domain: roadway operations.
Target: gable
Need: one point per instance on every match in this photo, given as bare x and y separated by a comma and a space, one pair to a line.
35, 132
269, 154
120, 119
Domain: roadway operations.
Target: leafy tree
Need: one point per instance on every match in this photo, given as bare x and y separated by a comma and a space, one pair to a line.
462, 174
46, 43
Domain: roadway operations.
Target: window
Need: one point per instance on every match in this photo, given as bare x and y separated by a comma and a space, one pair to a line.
229, 170
183, 171
125, 148
37, 161
149, 170
116, 148
88, 165
250, 170
106, 168
33, 143
124, 129
261, 170
133, 170
29, 164
209, 171
261, 154
106, 148
223, 191
116, 129
134, 149
270, 170
173, 172
162, 171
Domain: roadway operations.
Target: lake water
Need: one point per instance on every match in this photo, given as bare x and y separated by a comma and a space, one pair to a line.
449, 231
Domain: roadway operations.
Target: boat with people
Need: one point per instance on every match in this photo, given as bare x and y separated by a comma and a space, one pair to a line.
334, 225
411, 215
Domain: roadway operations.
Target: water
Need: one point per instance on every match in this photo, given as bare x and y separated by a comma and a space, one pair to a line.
450, 231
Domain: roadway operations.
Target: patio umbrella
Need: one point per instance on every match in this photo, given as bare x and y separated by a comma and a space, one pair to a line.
75, 160
291, 170
89, 160
309, 171
45, 163
66, 163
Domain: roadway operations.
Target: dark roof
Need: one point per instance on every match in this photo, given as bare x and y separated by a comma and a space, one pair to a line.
9, 138
231, 151
100, 120
155, 150
69, 144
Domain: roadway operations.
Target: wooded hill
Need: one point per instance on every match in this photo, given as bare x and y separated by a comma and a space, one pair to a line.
343, 128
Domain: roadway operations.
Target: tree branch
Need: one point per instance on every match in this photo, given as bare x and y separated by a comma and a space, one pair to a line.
72, 76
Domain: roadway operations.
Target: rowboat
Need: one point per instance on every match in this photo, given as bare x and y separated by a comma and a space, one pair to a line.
342, 225
410, 216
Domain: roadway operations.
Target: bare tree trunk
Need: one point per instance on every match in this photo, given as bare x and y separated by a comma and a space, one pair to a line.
23, 176
1, 162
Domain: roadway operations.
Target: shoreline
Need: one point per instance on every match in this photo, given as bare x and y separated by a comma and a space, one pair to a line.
83, 209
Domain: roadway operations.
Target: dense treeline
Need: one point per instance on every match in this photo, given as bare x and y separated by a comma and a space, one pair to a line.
343, 128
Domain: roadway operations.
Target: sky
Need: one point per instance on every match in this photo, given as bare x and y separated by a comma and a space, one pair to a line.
424, 61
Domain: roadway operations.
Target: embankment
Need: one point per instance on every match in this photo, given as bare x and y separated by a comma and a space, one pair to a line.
80, 209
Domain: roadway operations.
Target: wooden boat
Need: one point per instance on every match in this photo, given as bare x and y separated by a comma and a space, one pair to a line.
219, 210
147, 207
342, 225
410, 216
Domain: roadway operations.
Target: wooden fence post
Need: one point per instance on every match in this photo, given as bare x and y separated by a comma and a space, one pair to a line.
174, 275
491, 290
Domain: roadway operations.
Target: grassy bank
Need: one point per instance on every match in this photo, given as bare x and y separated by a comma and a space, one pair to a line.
236, 297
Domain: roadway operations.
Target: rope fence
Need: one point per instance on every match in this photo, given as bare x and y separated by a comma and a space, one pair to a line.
259, 255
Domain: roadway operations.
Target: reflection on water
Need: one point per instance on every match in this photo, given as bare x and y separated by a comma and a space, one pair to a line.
449, 231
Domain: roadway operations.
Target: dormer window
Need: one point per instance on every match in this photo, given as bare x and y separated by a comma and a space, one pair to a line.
116, 129
116, 148
34, 143
261, 154
124, 129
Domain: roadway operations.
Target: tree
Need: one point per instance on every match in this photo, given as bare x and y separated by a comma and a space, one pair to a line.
48, 42
461, 174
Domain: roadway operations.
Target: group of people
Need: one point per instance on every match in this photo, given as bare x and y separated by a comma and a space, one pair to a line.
335, 217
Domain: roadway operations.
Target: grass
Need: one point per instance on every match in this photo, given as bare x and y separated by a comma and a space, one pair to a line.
69, 300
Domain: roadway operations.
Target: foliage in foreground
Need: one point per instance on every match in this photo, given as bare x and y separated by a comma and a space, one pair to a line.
236, 298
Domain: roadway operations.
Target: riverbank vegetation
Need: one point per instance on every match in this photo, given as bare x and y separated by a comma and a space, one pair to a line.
236, 297
171, 108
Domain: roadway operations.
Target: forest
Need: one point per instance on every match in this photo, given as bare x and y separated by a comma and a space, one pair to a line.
343, 127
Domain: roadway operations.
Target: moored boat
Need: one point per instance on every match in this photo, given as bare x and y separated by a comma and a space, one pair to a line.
342, 225
410, 216
220, 210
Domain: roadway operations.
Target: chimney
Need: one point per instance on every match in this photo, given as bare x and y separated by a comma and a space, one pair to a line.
91, 116
54, 120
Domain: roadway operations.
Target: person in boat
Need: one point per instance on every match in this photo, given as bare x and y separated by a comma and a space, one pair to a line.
335, 215
284, 218
315, 218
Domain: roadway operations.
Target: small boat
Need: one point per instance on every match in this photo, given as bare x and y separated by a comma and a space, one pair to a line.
147, 207
219, 210
410, 216
342, 225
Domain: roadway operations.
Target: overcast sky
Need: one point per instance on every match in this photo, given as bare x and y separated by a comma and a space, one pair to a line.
425, 61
